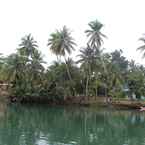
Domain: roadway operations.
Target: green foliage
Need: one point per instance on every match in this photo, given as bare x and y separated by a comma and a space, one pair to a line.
94, 73
136, 80
61, 42
142, 48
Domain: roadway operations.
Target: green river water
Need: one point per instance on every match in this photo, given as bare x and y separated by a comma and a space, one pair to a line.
43, 125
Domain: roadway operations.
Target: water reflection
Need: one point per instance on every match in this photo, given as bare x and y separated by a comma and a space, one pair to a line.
36, 125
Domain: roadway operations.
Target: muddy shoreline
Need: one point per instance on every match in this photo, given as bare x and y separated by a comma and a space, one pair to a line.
94, 101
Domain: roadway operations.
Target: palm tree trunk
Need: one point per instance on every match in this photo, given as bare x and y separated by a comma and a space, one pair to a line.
105, 71
96, 90
104, 67
69, 75
87, 84
96, 93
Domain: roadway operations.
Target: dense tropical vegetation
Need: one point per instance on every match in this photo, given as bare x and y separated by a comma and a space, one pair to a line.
93, 72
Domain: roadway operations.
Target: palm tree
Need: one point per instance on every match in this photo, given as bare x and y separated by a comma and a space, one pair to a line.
15, 68
87, 60
96, 39
33, 60
114, 79
2, 65
61, 43
36, 69
27, 46
14, 65
142, 48
95, 35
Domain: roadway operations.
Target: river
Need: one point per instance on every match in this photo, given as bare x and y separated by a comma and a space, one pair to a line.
44, 125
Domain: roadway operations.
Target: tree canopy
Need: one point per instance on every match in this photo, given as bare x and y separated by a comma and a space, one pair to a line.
92, 73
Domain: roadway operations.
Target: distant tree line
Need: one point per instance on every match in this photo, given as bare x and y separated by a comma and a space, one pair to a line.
93, 73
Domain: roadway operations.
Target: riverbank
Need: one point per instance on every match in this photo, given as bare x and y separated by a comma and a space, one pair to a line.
121, 103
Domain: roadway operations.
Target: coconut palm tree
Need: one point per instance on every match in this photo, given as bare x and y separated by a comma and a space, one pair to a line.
142, 48
15, 68
33, 60
95, 35
87, 60
96, 40
62, 44
36, 69
27, 46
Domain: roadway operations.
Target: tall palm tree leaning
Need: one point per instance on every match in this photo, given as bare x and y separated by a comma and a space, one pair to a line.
96, 39
61, 43
142, 48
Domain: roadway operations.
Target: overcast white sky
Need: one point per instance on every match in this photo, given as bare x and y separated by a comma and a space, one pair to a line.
124, 22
